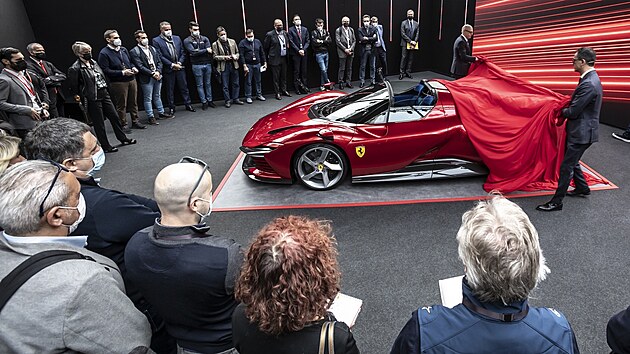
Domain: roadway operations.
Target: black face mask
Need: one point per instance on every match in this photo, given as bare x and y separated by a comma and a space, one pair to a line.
40, 56
86, 56
410, 17
278, 28
346, 24
19, 65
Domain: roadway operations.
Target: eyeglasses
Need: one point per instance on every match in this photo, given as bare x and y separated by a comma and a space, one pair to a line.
469, 31
200, 163
576, 59
59, 169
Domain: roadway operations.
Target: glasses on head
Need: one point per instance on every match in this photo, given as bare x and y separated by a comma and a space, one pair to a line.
59, 169
188, 159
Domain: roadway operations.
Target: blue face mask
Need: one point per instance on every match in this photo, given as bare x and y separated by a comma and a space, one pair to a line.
99, 161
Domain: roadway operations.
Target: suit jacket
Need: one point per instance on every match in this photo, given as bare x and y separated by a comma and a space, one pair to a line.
160, 44
16, 102
583, 112
462, 57
141, 62
367, 37
222, 57
52, 77
320, 47
272, 46
344, 41
379, 33
409, 33
297, 42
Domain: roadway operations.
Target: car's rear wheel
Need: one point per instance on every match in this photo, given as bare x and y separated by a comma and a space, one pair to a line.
320, 166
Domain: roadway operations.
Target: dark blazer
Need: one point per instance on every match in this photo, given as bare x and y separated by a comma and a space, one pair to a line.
81, 83
113, 63
52, 77
160, 44
409, 33
367, 37
583, 112
272, 46
316, 37
297, 43
16, 102
462, 57
617, 332
141, 62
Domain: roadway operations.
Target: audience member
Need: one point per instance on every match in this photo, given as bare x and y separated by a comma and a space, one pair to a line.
617, 332
582, 128
147, 59
252, 57
367, 40
300, 41
9, 151
381, 50
172, 55
346, 41
199, 50
321, 40
115, 62
226, 54
410, 32
76, 306
18, 97
462, 54
276, 46
503, 263
184, 271
623, 136
86, 82
289, 277
52, 77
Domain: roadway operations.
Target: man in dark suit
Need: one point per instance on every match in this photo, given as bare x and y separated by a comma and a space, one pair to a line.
410, 32
147, 59
172, 53
276, 45
367, 38
381, 50
346, 41
52, 77
300, 40
462, 54
582, 116
18, 96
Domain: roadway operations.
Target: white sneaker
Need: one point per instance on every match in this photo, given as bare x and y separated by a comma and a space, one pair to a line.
249, 100
625, 136
261, 98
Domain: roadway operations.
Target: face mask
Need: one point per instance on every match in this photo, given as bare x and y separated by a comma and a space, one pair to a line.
374, 24
19, 65
40, 56
144, 42
204, 216
117, 42
319, 28
251, 39
81, 210
410, 17
279, 28
346, 24
298, 22
86, 56
223, 37
99, 161
366, 23
168, 33
195, 33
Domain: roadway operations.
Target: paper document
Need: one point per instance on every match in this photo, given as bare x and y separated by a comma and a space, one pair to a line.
451, 291
410, 47
346, 309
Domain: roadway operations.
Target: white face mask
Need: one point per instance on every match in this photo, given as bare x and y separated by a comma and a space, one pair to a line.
366, 23
81, 209
298, 22
204, 216
99, 161
144, 42
223, 37
168, 33
117, 42
196, 33
319, 28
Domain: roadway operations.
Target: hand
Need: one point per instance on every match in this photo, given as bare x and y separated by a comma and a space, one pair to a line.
348, 51
77, 98
135, 70
245, 68
45, 105
45, 113
234, 57
177, 66
413, 43
301, 52
264, 67
209, 50
128, 72
156, 75
35, 114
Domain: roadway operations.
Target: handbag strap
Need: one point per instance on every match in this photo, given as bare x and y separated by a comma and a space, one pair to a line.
31, 266
327, 334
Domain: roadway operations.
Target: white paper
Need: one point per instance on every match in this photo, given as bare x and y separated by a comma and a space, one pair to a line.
451, 291
346, 308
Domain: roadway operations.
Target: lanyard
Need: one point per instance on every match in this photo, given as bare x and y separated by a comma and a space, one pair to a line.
25, 83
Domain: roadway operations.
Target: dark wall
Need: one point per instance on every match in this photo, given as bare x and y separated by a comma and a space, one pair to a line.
15, 28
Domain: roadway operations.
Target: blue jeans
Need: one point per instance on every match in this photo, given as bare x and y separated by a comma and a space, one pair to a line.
254, 73
151, 96
365, 57
322, 61
231, 85
203, 77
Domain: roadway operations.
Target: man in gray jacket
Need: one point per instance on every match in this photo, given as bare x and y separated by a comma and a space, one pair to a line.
71, 306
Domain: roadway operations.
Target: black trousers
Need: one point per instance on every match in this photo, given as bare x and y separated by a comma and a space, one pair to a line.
299, 71
279, 73
98, 111
570, 170
381, 61
345, 68
406, 61
56, 103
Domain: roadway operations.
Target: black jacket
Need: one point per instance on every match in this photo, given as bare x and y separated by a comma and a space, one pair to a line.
272, 45
617, 332
366, 38
81, 83
141, 62
52, 77
462, 57
583, 111
320, 42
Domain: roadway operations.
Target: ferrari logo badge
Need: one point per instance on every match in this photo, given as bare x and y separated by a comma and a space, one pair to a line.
360, 150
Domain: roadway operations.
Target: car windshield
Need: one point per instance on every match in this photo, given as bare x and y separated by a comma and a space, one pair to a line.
357, 107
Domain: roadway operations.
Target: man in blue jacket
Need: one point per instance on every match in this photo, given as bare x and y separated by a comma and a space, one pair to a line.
199, 48
172, 54
300, 40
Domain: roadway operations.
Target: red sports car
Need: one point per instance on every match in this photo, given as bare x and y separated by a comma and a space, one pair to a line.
393, 131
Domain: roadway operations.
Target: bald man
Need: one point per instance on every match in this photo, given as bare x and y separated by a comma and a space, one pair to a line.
186, 273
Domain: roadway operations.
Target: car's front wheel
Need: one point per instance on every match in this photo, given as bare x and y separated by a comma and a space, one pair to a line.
320, 166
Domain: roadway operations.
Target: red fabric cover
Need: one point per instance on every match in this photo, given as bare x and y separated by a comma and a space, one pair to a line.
512, 124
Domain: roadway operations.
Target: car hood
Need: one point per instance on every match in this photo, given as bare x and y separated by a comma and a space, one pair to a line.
285, 120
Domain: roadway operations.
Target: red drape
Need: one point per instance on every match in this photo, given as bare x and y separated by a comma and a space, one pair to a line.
512, 124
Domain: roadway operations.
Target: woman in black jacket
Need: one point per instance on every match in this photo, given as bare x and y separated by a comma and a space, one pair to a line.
290, 276
89, 88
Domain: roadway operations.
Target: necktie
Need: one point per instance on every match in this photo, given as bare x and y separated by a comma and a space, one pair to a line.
41, 63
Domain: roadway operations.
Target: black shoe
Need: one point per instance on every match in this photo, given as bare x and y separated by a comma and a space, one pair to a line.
138, 125
549, 206
238, 102
129, 142
349, 85
190, 108
211, 104
625, 136
305, 89
278, 97
172, 111
341, 85
286, 93
165, 115
126, 129
408, 76
400, 77
298, 91
373, 82
228, 104
110, 149
577, 193
361, 84
152, 121
204, 106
